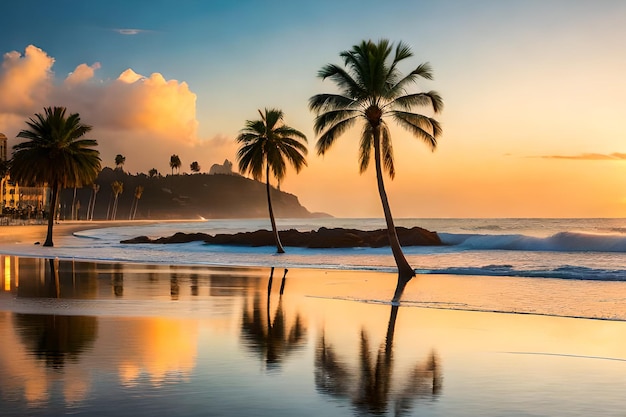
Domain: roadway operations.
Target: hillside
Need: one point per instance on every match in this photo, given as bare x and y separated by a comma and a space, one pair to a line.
184, 196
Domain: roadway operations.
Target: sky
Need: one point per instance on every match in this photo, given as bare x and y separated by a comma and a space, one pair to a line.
534, 93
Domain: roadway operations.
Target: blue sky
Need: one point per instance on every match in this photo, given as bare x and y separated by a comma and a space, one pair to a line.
522, 81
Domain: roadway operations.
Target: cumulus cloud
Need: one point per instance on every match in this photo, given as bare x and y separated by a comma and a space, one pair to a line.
615, 156
82, 73
145, 117
25, 80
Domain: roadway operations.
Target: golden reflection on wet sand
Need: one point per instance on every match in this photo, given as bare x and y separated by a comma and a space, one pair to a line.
158, 328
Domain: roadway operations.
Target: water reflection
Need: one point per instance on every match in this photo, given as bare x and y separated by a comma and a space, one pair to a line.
371, 388
56, 339
272, 337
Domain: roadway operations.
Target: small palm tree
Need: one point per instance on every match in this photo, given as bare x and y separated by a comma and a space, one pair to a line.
153, 172
175, 163
119, 161
372, 89
266, 143
133, 207
117, 187
195, 167
55, 153
92, 201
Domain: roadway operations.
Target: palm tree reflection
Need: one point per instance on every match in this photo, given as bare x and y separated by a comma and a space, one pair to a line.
56, 339
369, 387
272, 338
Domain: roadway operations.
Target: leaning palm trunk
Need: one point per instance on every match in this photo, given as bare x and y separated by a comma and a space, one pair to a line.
405, 271
135, 210
53, 206
279, 246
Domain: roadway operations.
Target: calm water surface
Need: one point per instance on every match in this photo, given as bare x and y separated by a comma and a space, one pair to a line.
107, 339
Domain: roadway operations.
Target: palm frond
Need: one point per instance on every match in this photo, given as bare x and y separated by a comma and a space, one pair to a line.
422, 127
330, 118
287, 132
347, 85
387, 151
430, 99
365, 147
326, 102
327, 138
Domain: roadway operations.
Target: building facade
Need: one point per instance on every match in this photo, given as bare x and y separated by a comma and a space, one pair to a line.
30, 201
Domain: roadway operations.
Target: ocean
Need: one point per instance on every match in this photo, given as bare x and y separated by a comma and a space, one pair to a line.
580, 249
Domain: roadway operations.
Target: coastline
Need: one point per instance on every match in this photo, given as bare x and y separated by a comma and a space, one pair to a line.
23, 234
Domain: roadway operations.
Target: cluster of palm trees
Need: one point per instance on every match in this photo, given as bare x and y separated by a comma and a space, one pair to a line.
371, 91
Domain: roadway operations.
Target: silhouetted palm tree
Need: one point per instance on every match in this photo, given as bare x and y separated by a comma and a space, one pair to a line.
117, 187
265, 144
119, 161
372, 89
92, 201
175, 163
153, 172
194, 166
133, 206
55, 153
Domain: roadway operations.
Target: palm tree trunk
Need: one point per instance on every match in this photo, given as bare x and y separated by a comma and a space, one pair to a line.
405, 271
74, 204
93, 205
135, 211
279, 246
52, 214
132, 205
114, 213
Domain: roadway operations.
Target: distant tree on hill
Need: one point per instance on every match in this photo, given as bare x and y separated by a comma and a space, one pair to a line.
175, 163
371, 90
153, 172
194, 166
119, 161
264, 146
55, 153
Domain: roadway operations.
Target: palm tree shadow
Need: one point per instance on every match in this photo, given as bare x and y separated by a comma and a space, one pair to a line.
370, 387
271, 337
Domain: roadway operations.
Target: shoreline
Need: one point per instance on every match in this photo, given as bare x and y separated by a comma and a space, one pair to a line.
21, 234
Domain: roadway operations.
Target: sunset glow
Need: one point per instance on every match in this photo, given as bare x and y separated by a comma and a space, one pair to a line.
533, 96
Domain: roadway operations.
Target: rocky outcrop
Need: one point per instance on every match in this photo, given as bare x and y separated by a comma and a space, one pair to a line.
321, 238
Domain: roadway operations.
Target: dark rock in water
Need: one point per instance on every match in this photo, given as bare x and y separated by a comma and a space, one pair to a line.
322, 238
180, 237
138, 239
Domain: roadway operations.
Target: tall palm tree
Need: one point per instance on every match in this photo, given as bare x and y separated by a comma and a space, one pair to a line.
175, 163
371, 90
55, 153
266, 143
119, 161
